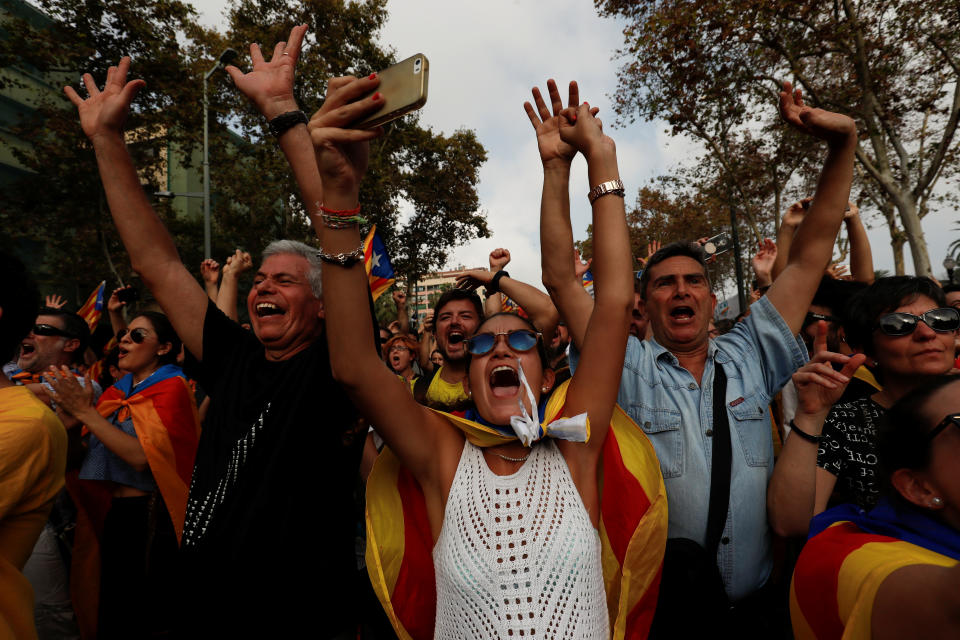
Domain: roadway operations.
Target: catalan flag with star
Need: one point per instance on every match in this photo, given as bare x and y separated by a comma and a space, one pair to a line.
633, 528
380, 272
92, 309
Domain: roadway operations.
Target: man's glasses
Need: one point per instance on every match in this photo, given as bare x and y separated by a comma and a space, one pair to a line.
50, 330
519, 340
137, 335
952, 419
943, 320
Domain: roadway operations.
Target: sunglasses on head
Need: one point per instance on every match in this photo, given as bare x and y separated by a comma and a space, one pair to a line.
941, 320
518, 340
812, 317
49, 330
137, 335
952, 419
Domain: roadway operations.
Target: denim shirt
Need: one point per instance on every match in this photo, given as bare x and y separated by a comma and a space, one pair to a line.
758, 355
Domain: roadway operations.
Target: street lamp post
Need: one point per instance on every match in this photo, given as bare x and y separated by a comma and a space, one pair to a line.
949, 264
228, 56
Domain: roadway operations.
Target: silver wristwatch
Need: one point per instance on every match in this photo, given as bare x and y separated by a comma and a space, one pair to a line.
611, 187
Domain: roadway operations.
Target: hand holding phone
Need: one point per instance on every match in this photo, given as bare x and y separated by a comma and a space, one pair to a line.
403, 88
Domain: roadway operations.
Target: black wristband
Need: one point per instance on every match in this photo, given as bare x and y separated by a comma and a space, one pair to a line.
279, 125
803, 434
494, 285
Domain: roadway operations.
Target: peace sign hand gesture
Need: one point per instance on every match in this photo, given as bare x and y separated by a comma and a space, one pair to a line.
104, 112
270, 84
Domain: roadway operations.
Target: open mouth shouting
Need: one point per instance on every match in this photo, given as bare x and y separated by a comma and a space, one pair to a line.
504, 382
682, 314
27, 348
267, 309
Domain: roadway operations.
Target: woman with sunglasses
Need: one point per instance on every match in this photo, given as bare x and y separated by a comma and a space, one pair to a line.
892, 571
143, 437
490, 529
903, 327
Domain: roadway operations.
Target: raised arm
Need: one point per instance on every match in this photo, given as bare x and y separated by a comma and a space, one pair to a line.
151, 249
812, 248
596, 381
403, 317
210, 274
763, 262
861, 256
572, 301
537, 305
788, 228
797, 482
499, 258
236, 265
115, 310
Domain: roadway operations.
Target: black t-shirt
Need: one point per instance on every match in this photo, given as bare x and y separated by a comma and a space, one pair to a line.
268, 544
848, 450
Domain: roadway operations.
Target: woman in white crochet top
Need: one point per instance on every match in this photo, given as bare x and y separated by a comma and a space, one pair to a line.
493, 589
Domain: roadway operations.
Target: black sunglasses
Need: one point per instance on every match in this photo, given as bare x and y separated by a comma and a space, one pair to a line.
941, 320
137, 335
953, 419
519, 340
812, 317
50, 330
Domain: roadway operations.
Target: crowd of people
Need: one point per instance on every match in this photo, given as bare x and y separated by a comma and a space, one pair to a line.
615, 463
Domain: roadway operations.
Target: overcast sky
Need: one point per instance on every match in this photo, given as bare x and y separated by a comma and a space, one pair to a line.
484, 58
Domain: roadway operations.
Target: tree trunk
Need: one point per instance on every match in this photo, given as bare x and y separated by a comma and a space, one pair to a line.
913, 230
897, 237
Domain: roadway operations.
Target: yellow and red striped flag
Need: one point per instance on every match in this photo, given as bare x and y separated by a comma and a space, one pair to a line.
92, 309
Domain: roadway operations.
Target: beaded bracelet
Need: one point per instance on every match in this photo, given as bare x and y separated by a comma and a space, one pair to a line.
341, 222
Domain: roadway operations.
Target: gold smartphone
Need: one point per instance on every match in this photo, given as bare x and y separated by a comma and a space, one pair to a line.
404, 89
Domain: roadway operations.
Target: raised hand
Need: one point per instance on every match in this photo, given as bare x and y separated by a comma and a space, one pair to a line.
765, 257
852, 211
836, 271
55, 301
499, 258
428, 321
580, 266
834, 128
553, 150
473, 278
581, 129
238, 263
270, 84
69, 394
210, 271
652, 248
399, 298
104, 112
342, 154
794, 215
114, 303
819, 386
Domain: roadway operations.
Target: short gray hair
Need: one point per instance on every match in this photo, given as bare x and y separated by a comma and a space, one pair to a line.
295, 248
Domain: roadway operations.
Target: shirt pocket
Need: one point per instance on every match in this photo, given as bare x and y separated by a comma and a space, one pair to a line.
751, 419
662, 427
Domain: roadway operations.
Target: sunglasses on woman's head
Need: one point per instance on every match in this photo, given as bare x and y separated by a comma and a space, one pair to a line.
941, 320
519, 340
49, 330
137, 335
953, 419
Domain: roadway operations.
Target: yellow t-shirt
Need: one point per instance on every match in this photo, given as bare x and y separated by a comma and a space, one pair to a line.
33, 456
441, 392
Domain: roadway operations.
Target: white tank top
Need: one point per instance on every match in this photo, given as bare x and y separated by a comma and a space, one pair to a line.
517, 555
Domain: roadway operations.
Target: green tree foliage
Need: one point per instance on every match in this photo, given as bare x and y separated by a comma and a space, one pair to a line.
255, 200
711, 70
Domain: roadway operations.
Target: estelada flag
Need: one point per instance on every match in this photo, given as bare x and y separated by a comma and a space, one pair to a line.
92, 309
851, 553
587, 280
633, 529
508, 305
380, 272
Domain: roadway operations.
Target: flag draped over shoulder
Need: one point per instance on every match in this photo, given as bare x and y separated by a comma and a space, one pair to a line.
167, 424
850, 554
380, 271
633, 528
92, 309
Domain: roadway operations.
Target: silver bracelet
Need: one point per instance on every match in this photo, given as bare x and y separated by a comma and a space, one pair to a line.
342, 259
611, 187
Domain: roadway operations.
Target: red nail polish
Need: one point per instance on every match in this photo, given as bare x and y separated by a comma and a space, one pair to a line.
371, 76
573, 117
376, 96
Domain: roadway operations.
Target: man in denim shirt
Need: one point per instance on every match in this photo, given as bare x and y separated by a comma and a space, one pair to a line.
667, 383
